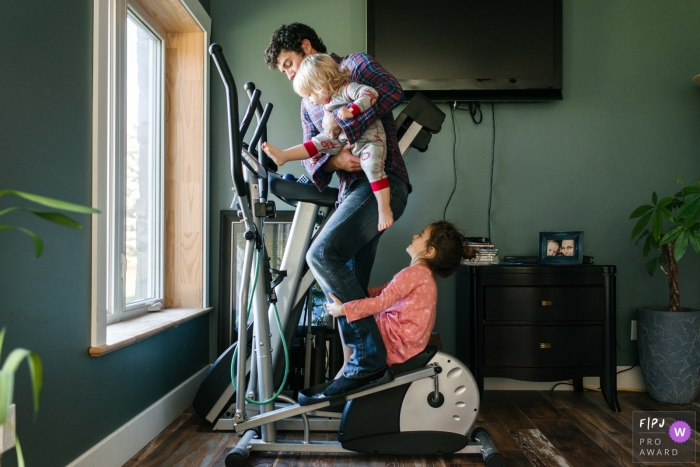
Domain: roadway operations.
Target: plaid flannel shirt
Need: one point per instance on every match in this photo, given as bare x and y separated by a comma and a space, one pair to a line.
364, 70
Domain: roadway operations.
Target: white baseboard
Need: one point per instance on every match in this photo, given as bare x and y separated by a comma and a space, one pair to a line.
629, 380
116, 449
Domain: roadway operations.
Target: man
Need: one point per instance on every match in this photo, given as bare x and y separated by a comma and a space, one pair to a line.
351, 233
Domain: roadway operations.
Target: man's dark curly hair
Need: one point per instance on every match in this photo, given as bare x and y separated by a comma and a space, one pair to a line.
289, 37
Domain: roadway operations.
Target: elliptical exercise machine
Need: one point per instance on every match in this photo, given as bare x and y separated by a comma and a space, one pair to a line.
432, 402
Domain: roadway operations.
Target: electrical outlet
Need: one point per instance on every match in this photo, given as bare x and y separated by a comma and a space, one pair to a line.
7, 434
634, 330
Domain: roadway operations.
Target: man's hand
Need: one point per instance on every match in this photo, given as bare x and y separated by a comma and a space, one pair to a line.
344, 160
330, 126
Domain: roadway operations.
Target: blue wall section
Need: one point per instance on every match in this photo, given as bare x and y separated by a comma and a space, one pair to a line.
628, 125
45, 148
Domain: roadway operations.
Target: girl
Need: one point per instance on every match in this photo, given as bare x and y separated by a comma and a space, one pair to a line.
405, 307
320, 79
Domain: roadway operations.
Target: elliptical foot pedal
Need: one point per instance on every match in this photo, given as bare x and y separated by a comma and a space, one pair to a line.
314, 394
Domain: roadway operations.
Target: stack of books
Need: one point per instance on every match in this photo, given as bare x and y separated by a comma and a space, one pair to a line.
486, 252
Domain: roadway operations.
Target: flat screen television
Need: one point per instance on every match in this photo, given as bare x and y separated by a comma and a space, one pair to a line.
470, 50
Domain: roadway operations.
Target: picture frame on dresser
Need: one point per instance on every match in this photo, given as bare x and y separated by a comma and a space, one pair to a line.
561, 248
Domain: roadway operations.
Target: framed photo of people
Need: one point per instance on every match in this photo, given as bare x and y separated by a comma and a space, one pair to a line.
561, 248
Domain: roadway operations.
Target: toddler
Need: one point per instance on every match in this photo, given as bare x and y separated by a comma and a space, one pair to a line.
321, 80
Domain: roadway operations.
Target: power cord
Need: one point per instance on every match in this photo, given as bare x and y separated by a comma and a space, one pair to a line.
474, 109
454, 159
626, 351
559, 384
234, 359
628, 369
598, 389
493, 159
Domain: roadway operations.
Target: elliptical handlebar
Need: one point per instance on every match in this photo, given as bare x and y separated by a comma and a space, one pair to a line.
262, 124
262, 157
236, 146
239, 152
254, 101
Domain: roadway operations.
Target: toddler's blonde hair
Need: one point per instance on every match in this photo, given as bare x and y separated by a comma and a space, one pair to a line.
319, 73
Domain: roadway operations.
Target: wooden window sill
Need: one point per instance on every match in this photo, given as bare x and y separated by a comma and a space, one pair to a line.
139, 328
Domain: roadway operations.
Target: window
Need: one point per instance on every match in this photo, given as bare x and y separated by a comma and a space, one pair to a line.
134, 166
149, 170
143, 220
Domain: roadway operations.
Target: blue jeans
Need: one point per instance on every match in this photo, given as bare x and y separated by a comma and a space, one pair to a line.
351, 232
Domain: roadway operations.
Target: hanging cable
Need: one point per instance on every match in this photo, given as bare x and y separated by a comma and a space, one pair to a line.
474, 109
493, 158
286, 364
234, 359
626, 351
454, 160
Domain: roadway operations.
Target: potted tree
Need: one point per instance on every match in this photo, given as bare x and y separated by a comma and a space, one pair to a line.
17, 356
669, 336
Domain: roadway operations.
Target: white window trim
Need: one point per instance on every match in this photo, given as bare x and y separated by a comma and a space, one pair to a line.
106, 87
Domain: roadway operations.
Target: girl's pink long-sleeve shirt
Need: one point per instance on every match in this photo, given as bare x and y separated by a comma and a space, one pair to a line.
404, 309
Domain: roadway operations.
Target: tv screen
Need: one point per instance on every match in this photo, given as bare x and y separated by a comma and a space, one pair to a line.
469, 50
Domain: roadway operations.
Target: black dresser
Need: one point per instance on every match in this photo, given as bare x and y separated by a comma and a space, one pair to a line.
539, 323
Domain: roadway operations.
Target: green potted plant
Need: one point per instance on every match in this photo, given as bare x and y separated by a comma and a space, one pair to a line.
17, 356
7, 382
669, 336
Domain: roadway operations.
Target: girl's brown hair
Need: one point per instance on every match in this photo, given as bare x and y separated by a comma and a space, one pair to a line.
449, 246
319, 73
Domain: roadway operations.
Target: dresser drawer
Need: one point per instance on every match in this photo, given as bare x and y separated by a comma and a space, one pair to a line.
543, 346
549, 303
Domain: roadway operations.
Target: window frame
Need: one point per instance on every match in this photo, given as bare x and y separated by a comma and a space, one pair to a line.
109, 140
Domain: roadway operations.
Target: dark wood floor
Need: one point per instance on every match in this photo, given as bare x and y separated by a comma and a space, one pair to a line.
530, 428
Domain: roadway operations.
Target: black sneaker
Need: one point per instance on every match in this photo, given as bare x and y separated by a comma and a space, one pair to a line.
342, 387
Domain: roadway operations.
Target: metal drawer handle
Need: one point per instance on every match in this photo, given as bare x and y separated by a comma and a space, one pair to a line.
545, 345
547, 303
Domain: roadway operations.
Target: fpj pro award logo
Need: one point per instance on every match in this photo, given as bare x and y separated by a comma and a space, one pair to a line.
664, 437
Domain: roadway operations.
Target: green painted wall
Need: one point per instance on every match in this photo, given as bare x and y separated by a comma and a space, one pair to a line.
628, 125
45, 147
